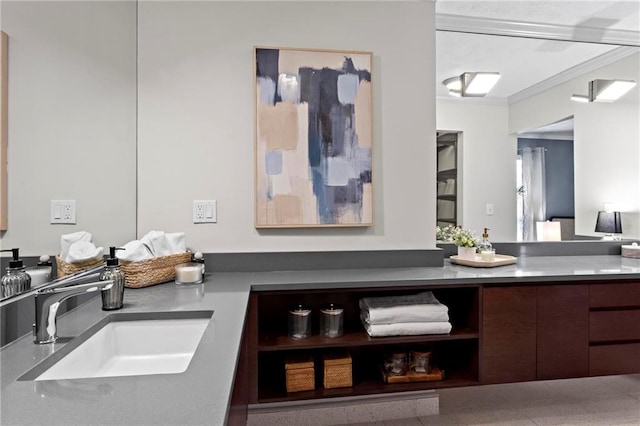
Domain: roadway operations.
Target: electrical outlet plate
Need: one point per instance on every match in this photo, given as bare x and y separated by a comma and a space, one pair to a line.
63, 211
204, 211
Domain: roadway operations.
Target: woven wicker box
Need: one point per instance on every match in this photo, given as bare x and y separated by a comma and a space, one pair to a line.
153, 271
63, 268
337, 370
300, 373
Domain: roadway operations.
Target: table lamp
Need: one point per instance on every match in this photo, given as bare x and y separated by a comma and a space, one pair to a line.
610, 223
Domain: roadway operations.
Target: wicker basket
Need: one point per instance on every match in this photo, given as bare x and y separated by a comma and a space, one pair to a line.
299, 373
153, 271
64, 268
337, 370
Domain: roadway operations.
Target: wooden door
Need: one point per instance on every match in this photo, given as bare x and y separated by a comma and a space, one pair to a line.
508, 336
563, 331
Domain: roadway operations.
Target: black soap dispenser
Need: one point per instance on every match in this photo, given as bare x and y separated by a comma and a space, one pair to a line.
16, 280
114, 297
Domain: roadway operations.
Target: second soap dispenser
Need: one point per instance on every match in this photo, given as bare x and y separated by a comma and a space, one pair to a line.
16, 280
485, 248
114, 297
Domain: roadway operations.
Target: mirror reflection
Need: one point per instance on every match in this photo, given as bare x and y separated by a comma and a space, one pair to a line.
526, 153
72, 123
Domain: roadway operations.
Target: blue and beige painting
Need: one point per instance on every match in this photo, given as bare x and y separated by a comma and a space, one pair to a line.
313, 138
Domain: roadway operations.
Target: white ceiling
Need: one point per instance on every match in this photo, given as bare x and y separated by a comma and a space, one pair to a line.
525, 62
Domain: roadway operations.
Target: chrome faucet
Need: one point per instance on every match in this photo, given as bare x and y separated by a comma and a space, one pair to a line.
49, 298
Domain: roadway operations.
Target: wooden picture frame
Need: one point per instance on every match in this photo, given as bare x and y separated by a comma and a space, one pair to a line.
313, 138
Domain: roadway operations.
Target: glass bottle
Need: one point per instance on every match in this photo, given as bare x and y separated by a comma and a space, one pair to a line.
114, 297
485, 248
16, 280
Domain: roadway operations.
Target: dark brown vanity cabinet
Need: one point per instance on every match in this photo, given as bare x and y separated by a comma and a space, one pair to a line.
501, 333
535, 332
614, 328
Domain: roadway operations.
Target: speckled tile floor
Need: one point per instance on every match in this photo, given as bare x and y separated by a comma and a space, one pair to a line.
596, 401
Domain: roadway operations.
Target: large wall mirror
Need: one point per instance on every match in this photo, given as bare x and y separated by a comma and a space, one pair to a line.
71, 121
592, 150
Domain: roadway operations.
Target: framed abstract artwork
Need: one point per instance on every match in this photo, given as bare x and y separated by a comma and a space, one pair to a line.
313, 138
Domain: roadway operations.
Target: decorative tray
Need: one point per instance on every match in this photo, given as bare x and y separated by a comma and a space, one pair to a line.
434, 375
477, 262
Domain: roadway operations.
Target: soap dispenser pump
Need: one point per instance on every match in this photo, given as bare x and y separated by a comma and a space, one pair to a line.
485, 245
114, 297
16, 280
198, 258
485, 248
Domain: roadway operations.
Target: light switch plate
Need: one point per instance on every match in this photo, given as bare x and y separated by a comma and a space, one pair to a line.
205, 211
489, 209
63, 211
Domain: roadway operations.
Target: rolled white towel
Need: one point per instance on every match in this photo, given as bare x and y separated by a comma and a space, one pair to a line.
68, 239
134, 251
157, 243
176, 242
82, 251
421, 307
407, 328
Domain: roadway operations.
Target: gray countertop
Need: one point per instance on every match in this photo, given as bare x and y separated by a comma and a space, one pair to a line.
201, 395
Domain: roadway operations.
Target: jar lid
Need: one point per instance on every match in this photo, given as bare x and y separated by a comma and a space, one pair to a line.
300, 309
332, 309
398, 355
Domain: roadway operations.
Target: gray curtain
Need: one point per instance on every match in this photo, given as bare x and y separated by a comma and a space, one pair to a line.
533, 180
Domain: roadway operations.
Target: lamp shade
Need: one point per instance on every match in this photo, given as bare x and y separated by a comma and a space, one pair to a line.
609, 222
548, 231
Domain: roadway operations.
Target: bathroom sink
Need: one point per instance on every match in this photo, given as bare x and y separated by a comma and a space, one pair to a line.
128, 344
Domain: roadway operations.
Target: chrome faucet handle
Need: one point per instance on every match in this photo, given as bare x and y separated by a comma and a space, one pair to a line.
48, 301
84, 287
87, 274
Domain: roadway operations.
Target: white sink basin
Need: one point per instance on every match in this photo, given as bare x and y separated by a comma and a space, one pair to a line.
131, 348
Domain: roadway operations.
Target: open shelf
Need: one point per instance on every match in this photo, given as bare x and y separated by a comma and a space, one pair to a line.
456, 353
279, 342
450, 197
447, 174
369, 387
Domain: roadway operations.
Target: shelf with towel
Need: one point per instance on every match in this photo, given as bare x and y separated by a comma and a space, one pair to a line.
282, 342
457, 352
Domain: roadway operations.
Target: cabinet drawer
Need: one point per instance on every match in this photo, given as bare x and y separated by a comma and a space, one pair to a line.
614, 295
614, 359
609, 326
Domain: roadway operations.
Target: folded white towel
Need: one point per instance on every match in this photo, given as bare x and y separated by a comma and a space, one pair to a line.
134, 251
82, 251
68, 239
421, 307
157, 243
407, 328
176, 242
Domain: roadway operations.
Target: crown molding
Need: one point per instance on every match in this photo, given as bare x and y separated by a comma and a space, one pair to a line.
473, 100
574, 72
490, 26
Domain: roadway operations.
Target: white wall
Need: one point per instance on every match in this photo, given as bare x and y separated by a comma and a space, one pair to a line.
488, 158
72, 75
606, 143
196, 138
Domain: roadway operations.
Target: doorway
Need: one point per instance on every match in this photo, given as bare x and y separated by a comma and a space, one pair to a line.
545, 180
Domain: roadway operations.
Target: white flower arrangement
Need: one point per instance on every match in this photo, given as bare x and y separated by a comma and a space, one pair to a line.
454, 234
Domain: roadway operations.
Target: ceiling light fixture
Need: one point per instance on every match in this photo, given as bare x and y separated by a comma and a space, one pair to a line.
470, 84
605, 90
